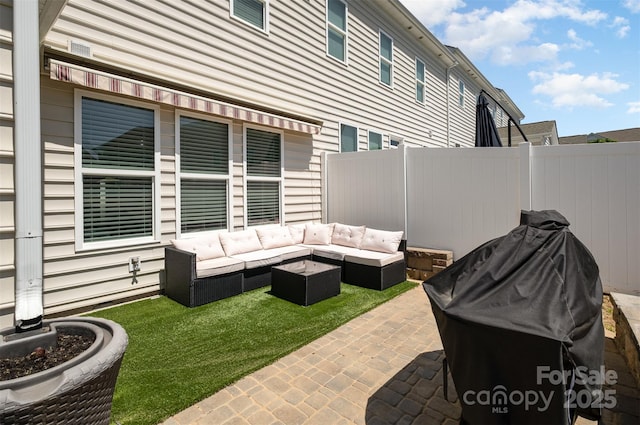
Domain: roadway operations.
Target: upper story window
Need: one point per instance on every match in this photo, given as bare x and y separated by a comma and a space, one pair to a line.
348, 138
253, 12
386, 59
337, 29
263, 156
203, 151
420, 81
117, 172
461, 93
375, 140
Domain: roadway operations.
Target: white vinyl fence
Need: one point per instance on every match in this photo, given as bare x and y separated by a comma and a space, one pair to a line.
458, 199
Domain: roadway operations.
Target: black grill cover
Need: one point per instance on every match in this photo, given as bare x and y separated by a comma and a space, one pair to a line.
521, 314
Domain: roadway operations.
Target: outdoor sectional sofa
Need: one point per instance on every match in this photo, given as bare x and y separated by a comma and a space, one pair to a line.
222, 264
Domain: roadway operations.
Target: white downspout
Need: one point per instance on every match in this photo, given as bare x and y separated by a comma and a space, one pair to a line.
448, 71
28, 166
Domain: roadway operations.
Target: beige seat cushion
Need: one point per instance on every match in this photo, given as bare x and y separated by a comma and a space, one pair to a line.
333, 252
290, 252
218, 266
374, 258
255, 259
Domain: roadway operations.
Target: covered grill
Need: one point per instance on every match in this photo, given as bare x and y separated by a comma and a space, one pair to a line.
521, 324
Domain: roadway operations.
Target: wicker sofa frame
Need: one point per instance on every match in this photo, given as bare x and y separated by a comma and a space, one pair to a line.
183, 286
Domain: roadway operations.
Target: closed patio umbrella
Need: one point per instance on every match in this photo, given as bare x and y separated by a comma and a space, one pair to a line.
486, 131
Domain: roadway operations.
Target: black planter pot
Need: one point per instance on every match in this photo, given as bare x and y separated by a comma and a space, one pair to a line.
79, 391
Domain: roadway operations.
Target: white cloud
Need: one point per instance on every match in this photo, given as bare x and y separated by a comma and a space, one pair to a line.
634, 107
508, 55
621, 25
564, 66
571, 90
577, 43
432, 13
504, 35
632, 5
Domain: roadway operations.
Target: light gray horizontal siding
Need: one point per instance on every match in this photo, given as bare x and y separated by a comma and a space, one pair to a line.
196, 44
7, 188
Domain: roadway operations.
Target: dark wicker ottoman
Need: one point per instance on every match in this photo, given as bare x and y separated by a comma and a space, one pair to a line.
305, 282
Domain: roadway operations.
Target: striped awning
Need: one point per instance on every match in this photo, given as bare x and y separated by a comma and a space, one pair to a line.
76, 74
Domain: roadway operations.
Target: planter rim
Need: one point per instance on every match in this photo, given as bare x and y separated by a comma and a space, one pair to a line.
108, 348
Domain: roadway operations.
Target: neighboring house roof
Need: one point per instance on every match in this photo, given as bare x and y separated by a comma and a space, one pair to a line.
627, 135
538, 133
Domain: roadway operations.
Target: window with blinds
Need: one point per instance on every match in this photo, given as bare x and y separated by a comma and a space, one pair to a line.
203, 175
337, 29
263, 150
253, 12
118, 172
117, 208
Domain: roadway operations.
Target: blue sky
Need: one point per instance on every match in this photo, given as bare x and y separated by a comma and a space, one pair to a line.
575, 62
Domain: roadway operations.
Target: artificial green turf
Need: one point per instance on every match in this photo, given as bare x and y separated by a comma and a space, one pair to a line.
178, 356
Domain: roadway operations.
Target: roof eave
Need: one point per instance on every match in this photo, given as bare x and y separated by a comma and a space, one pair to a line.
417, 30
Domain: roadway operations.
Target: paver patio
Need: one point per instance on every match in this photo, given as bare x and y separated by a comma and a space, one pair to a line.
384, 367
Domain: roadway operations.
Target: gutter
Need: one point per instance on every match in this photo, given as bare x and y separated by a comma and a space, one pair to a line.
28, 167
448, 119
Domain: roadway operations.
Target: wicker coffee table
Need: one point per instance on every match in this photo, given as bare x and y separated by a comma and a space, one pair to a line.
305, 282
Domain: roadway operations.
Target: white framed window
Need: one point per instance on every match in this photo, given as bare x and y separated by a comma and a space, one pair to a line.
203, 173
386, 59
348, 138
117, 171
263, 192
420, 82
253, 12
375, 140
461, 93
337, 29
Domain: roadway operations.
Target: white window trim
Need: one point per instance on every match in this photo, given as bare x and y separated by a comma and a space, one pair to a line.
461, 92
373, 130
339, 30
265, 13
424, 82
246, 177
383, 59
340, 124
218, 177
79, 172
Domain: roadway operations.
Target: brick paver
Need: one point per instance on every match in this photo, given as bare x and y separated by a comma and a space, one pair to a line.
384, 367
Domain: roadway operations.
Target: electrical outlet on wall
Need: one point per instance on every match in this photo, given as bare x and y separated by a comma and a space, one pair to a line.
134, 264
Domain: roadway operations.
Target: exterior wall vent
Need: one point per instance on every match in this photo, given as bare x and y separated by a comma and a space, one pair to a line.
79, 48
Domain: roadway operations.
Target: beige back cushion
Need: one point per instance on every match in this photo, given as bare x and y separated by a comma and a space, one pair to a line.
274, 237
205, 247
347, 235
381, 240
240, 242
318, 234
